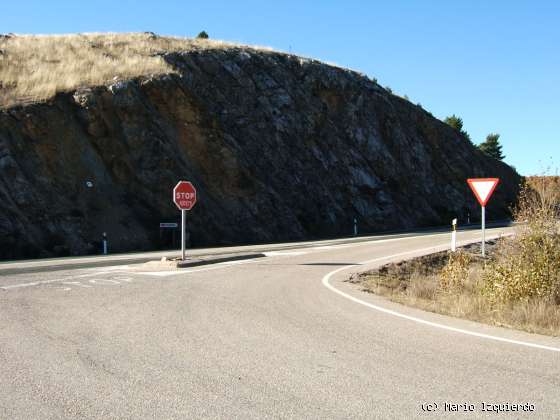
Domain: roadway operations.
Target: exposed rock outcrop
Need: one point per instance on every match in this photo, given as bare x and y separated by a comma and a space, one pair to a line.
278, 146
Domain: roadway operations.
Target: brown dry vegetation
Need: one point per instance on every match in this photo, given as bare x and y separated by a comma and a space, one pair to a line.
529, 267
518, 287
36, 67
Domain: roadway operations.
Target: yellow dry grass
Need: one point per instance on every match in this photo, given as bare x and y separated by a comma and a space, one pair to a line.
36, 67
519, 287
425, 292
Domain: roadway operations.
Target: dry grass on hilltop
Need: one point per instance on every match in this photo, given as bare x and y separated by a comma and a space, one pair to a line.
36, 67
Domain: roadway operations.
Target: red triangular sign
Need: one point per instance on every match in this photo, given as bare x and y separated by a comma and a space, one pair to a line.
483, 188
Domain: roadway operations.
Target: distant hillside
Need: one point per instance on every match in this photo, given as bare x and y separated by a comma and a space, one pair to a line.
280, 148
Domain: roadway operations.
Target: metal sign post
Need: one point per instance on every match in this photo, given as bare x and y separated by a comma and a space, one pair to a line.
483, 189
183, 212
483, 231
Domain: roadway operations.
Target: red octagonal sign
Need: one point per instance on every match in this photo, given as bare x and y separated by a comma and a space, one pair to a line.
184, 195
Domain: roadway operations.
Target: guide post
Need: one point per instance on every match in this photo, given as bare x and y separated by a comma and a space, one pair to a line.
454, 235
184, 197
482, 189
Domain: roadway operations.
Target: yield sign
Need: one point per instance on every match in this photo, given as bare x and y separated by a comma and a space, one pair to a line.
483, 188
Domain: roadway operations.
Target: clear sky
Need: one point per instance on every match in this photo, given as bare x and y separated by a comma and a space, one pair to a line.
494, 63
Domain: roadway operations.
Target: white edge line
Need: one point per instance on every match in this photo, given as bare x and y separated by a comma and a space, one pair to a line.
326, 283
282, 253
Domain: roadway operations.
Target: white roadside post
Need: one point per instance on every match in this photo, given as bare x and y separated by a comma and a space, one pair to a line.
184, 197
482, 189
454, 236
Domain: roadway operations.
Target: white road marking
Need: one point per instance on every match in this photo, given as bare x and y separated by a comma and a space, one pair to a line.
238, 262
326, 283
337, 246
277, 254
76, 283
123, 278
109, 269
161, 273
104, 281
280, 253
37, 283
196, 270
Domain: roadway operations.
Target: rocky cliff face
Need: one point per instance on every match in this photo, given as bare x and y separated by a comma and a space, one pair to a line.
279, 148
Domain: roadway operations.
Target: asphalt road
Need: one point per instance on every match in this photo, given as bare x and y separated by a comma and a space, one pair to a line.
277, 337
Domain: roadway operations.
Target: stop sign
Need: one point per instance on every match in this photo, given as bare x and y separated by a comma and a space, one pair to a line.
184, 195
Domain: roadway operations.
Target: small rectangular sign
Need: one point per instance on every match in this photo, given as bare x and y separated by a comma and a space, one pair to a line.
169, 225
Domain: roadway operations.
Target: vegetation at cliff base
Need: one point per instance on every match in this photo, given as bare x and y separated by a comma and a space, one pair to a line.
528, 267
517, 287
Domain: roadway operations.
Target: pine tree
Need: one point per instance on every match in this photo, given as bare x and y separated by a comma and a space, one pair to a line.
202, 35
457, 123
492, 146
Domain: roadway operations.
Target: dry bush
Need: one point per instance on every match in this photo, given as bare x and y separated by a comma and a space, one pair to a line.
418, 283
530, 266
539, 204
517, 287
36, 67
455, 273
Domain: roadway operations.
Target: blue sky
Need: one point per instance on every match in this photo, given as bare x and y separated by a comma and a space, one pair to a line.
496, 64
